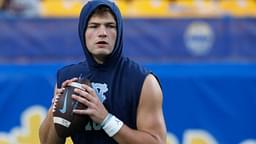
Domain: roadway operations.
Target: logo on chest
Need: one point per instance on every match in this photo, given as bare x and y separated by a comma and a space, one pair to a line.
100, 90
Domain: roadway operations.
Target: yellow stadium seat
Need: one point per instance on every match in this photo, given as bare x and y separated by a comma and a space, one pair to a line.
60, 8
158, 8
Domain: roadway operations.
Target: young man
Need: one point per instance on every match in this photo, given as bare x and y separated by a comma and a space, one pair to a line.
125, 101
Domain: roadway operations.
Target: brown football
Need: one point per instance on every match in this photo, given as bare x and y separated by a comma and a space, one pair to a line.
66, 122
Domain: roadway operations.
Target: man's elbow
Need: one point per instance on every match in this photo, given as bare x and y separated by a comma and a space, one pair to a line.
157, 139
160, 140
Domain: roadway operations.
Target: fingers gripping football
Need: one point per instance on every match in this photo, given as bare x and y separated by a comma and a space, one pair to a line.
95, 109
59, 92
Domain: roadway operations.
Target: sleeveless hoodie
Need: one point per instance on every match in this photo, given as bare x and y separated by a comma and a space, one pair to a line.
118, 82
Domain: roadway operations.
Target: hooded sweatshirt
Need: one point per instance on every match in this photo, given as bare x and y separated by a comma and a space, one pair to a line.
117, 82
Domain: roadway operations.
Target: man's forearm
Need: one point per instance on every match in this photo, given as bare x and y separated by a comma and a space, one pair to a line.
47, 133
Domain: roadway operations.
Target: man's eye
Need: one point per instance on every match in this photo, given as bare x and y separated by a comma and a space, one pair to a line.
92, 26
112, 26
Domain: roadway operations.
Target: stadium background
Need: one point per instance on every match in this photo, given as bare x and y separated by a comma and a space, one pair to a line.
202, 50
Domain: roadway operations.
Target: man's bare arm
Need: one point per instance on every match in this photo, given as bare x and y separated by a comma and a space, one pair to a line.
150, 120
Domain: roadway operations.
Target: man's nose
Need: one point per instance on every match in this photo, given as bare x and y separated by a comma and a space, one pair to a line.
102, 31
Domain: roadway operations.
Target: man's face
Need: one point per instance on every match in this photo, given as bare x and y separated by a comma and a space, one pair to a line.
101, 35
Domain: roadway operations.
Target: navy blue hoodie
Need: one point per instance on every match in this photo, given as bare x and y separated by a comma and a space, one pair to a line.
118, 82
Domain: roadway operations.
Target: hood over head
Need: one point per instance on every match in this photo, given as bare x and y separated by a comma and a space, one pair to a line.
85, 15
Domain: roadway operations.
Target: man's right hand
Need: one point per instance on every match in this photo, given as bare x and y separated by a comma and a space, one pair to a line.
47, 132
59, 92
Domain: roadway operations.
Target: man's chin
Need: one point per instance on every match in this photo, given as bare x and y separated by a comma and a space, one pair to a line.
102, 53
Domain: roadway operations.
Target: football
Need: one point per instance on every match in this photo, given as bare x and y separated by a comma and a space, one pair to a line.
65, 121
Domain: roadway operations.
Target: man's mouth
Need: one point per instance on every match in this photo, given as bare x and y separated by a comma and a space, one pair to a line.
102, 42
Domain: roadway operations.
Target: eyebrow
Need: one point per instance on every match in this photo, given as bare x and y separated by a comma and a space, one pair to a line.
97, 23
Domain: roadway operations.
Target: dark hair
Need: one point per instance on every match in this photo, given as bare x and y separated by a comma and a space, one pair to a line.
102, 10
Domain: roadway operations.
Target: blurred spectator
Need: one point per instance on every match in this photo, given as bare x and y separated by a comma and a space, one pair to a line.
4, 4
3, 7
20, 8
